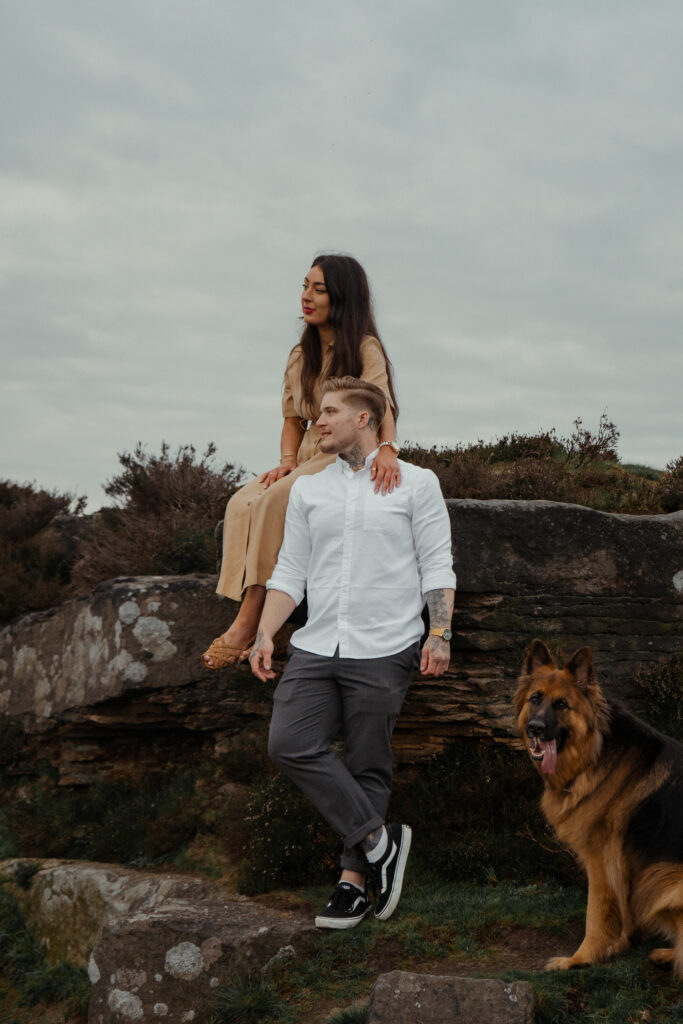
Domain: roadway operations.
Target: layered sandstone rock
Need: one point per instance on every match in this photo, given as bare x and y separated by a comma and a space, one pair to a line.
84, 683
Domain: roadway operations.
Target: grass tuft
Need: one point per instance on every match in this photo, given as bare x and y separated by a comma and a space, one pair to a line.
249, 1000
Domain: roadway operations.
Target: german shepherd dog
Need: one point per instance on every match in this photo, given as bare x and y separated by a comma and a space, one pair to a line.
614, 794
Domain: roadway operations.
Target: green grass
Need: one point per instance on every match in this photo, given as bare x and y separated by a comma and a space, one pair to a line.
628, 990
248, 1000
479, 928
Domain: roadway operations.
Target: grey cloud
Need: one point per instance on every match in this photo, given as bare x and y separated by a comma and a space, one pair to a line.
509, 174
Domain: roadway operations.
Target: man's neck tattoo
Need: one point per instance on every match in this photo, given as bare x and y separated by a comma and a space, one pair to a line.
354, 457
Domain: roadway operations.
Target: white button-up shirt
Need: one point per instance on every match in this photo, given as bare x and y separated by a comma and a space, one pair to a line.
365, 560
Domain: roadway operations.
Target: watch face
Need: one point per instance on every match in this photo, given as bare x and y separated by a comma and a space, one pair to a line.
447, 635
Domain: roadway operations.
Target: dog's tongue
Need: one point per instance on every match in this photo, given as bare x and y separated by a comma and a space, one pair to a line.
549, 756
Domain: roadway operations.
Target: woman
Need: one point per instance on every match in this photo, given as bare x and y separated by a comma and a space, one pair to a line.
340, 337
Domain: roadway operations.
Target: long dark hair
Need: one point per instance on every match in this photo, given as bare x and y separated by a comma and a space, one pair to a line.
352, 317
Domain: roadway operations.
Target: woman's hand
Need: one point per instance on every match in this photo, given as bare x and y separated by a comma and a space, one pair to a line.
273, 475
385, 471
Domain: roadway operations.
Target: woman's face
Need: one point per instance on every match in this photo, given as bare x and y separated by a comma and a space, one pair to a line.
315, 300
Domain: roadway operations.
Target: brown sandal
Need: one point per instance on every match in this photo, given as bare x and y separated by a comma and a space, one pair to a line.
225, 654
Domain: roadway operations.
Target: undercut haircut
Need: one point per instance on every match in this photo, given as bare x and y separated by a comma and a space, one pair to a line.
360, 395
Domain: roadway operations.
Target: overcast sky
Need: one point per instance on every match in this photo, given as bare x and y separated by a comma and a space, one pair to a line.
509, 172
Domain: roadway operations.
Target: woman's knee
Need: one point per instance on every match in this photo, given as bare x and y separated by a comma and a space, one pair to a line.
244, 497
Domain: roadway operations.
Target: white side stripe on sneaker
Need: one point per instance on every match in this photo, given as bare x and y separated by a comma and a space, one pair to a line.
386, 865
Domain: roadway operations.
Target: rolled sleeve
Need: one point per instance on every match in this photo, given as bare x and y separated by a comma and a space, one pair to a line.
291, 570
432, 536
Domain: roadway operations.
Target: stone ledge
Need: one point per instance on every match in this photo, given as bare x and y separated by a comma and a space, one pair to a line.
401, 997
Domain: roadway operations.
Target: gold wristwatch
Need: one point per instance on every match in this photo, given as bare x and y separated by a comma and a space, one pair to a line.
392, 444
445, 634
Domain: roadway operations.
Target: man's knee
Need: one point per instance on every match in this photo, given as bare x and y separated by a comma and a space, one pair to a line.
278, 747
283, 749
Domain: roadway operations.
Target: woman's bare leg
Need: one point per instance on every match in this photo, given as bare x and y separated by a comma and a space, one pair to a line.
243, 629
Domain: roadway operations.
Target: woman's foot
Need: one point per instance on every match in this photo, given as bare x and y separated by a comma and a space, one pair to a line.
234, 644
229, 648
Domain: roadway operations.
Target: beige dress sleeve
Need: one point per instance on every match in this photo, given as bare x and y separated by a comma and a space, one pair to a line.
375, 366
291, 392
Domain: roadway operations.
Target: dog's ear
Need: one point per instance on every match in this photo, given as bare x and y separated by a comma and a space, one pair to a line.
537, 656
581, 667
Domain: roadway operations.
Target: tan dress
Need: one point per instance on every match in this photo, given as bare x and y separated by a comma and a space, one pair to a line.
255, 516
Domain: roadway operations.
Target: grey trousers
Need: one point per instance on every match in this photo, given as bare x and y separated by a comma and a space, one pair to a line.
316, 697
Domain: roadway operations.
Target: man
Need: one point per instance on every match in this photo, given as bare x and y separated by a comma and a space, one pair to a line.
367, 561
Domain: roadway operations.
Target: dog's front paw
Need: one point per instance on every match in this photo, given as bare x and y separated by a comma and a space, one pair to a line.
662, 956
560, 963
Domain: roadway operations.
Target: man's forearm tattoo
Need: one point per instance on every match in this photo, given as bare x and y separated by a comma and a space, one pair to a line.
440, 605
355, 457
257, 643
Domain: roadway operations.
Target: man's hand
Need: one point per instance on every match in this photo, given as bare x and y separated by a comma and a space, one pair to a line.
436, 656
261, 656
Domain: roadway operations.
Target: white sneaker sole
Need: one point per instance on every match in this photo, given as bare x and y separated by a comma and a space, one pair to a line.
341, 922
402, 858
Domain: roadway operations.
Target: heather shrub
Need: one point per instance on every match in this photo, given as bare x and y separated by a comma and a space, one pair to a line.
659, 695
36, 556
672, 486
134, 821
583, 469
476, 817
286, 842
164, 513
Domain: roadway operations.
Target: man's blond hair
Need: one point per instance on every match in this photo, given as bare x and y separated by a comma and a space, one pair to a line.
360, 395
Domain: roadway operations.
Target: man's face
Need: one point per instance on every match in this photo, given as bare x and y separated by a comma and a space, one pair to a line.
338, 424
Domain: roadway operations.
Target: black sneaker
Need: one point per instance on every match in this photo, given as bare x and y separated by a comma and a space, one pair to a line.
346, 909
388, 871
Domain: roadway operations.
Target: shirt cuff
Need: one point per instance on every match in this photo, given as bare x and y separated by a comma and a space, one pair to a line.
293, 588
438, 581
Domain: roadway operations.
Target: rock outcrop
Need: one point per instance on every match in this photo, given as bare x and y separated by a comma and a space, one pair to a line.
154, 944
82, 683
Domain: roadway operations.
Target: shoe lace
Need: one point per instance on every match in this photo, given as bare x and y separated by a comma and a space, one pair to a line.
341, 896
